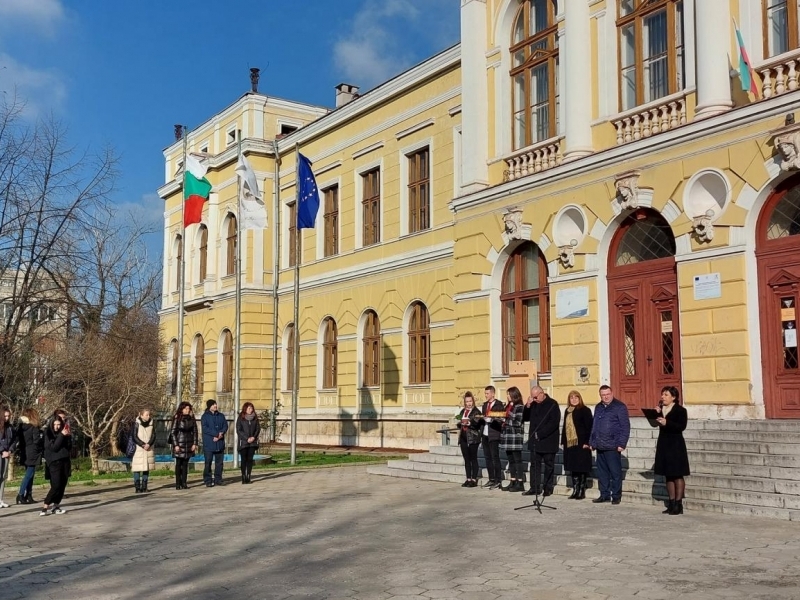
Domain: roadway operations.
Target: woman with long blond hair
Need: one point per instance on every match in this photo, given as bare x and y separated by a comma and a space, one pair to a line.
575, 434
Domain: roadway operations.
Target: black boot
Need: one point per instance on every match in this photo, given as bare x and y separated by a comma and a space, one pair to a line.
576, 487
677, 508
144, 486
29, 499
20, 499
670, 507
582, 485
137, 486
510, 487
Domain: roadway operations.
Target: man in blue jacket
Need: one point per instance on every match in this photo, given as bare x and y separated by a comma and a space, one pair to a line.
214, 427
610, 433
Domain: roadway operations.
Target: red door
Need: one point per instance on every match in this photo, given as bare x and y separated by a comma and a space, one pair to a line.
777, 251
643, 299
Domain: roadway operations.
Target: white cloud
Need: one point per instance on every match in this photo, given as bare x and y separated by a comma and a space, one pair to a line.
44, 15
380, 42
39, 89
147, 212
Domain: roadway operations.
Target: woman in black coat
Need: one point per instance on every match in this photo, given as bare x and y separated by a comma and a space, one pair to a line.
672, 460
57, 447
248, 430
183, 440
469, 438
30, 445
578, 421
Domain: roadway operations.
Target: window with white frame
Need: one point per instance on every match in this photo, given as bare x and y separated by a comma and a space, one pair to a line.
779, 22
419, 190
226, 357
330, 354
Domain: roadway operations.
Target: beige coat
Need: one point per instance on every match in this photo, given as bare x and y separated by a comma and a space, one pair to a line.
143, 460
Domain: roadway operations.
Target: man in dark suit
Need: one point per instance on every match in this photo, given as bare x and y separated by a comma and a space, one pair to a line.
544, 416
491, 438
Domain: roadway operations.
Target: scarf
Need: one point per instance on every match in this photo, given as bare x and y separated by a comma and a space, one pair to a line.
665, 409
572, 434
250, 417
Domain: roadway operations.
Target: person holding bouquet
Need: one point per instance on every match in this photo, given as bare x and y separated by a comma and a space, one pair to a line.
469, 439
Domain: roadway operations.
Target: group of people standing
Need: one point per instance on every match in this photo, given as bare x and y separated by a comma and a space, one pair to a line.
499, 426
31, 441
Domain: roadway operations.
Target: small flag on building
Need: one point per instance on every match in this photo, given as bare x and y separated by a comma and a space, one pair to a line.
745, 67
196, 189
307, 194
253, 213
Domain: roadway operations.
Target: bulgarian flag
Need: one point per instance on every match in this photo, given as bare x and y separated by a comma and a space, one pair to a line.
745, 67
196, 189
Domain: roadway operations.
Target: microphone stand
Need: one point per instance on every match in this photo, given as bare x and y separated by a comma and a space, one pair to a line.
537, 504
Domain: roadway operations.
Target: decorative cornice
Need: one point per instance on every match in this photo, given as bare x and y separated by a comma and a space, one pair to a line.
414, 128
368, 149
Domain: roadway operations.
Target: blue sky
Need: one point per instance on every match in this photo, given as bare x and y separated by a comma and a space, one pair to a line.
122, 72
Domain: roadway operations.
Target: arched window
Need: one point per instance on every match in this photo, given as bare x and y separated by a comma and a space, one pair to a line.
199, 363
173, 367
330, 360
785, 218
780, 26
419, 345
178, 261
231, 242
290, 357
534, 72
526, 307
651, 50
226, 344
203, 253
372, 350
646, 237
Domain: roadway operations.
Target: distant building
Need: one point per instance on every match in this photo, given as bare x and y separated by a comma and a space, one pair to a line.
583, 184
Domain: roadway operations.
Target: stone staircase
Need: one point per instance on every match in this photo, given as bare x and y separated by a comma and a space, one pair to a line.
738, 467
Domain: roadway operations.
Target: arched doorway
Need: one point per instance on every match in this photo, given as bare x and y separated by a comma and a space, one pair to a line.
643, 304
777, 251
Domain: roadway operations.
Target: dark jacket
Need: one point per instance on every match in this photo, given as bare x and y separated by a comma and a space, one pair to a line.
512, 436
248, 429
57, 446
213, 424
30, 444
578, 459
495, 426
150, 441
612, 426
544, 417
470, 434
7, 438
183, 436
672, 459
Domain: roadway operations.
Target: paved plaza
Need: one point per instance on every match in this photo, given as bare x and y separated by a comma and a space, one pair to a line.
341, 533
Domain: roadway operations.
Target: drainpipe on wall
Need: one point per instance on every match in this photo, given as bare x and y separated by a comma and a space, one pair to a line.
276, 253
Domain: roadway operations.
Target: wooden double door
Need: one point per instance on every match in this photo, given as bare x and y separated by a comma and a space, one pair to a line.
645, 332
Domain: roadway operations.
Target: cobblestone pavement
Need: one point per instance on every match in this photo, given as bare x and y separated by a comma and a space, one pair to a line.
340, 533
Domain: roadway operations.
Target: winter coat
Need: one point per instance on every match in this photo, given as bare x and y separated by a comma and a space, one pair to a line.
183, 436
612, 426
494, 428
672, 459
7, 438
30, 443
144, 432
511, 438
213, 424
248, 429
578, 459
544, 417
57, 446
470, 434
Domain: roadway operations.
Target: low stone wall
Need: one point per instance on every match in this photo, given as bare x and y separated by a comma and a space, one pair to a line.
370, 432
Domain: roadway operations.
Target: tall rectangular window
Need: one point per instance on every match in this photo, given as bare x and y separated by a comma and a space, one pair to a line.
651, 50
371, 206
419, 191
293, 241
331, 221
779, 19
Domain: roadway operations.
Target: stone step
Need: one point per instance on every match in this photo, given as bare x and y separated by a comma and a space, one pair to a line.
744, 458
763, 437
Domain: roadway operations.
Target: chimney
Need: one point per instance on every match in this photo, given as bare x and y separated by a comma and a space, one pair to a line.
254, 73
345, 93
178, 132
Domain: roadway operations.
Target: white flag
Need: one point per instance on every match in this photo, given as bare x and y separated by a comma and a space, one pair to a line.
253, 212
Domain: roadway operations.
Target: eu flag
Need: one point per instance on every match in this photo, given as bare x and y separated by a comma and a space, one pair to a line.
307, 194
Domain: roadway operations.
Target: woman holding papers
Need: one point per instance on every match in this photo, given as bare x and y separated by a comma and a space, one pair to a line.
511, 439
672, 460
469, 438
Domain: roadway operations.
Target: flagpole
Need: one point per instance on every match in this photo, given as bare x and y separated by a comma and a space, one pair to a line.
276, 249
237, 362
296, 382
182, 274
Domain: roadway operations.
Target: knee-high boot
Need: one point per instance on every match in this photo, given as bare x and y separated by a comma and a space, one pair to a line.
576, 486
582, 485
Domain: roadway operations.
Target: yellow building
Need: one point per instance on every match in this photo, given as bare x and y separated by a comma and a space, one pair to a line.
582, 183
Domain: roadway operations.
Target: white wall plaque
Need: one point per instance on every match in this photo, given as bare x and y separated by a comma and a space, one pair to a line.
572, 303
707, 287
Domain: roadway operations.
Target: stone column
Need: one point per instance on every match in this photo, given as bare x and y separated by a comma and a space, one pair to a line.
577, 82
712, 33
474, 97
